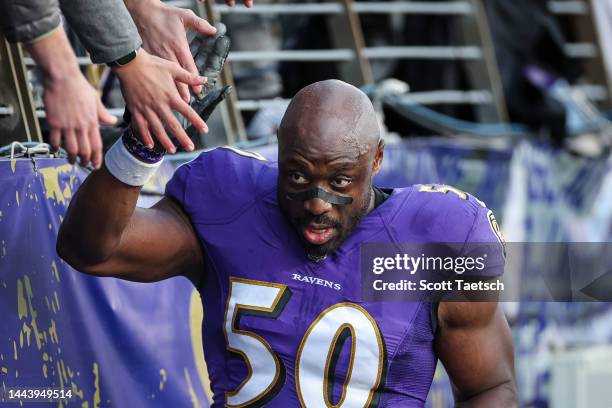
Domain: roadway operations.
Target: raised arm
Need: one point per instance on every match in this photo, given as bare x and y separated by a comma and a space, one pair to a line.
474, 344
104, 234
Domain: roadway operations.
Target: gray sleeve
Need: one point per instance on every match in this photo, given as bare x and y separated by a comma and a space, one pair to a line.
25, 20
105, 27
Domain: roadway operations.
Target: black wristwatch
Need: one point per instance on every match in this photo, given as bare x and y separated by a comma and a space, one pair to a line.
126, 59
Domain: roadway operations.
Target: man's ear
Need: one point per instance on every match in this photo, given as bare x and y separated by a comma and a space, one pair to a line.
379, 157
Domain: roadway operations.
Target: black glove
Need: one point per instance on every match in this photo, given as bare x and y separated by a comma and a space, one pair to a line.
209, 55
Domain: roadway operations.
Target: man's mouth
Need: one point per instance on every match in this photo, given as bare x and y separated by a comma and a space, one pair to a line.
318, 234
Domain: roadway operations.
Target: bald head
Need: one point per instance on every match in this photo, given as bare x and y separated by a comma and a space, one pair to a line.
329, 149
331, 112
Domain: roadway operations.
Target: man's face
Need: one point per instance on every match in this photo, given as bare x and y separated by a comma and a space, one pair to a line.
336, 167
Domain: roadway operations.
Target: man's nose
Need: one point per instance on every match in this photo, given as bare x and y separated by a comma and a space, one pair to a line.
317, 206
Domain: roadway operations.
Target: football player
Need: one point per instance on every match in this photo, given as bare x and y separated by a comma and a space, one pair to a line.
273, 247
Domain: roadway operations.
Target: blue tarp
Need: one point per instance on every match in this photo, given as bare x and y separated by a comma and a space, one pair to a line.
113, 343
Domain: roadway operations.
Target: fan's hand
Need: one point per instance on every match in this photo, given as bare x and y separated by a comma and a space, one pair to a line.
209, 55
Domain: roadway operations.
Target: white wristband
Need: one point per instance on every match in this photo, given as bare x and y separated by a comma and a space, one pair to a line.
127, 168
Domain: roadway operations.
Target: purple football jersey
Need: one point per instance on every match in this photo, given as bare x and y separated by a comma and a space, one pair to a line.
282, 331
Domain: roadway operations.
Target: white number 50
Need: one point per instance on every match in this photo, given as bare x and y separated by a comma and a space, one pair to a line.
317, 356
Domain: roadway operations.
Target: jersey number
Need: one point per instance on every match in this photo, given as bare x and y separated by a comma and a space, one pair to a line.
314, 368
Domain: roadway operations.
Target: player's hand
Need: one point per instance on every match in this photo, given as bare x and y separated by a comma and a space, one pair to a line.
74, 113
163, 30
147, 84
209, 54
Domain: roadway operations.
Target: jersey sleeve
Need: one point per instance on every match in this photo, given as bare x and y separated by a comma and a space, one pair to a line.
486, 241
216, 186
444, 214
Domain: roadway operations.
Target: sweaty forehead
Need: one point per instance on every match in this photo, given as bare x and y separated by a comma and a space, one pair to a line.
329, 117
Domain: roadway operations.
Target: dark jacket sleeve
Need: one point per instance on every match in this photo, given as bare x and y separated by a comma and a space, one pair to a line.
26, 20
105, 27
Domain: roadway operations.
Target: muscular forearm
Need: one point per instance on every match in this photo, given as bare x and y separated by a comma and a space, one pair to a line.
96, 220
502, 396
474, 343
